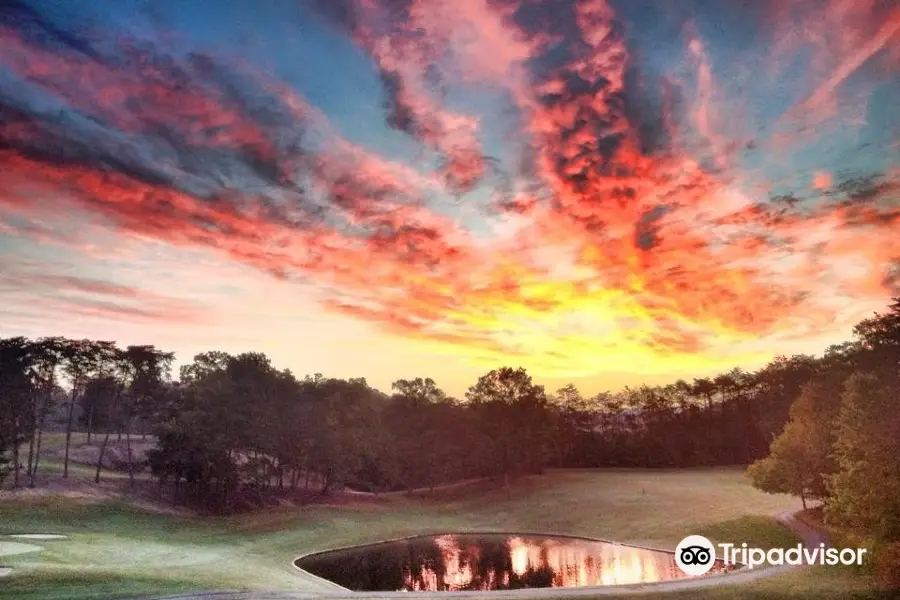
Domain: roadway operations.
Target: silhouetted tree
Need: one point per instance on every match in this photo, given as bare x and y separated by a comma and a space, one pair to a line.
515, 418
17, 391
234, 430
48, 355
80, 360
97, 403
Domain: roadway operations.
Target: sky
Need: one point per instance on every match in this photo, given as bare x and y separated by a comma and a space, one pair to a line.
605, 192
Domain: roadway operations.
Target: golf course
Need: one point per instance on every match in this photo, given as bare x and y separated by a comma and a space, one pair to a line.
114, 550
449, 299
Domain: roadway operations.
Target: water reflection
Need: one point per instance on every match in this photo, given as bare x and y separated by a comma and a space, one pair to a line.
492, 562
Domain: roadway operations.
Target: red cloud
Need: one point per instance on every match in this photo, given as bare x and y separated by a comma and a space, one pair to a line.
606, 245
407, 62
141, 96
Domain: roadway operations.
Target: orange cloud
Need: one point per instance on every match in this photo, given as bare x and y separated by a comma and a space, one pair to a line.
822, 180
603, 252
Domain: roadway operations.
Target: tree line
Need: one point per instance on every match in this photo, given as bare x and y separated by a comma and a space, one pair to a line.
232, 424
841, 442
111, 384
234, 431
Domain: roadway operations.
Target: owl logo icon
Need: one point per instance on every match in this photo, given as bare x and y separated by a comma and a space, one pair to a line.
695, 555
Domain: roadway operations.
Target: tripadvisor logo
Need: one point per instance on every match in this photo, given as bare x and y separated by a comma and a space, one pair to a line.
696, 555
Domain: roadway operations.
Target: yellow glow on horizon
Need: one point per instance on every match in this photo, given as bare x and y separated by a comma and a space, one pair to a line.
560, 331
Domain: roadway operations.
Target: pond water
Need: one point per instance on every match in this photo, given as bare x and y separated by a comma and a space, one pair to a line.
492, 562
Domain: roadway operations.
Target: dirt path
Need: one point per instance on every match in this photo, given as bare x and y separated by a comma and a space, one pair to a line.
422, 490
810, 536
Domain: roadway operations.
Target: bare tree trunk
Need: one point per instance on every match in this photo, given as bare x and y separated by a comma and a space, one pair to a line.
803, 498
116, 411
37, 455
506, 465
128, 446
431, 469
15, 462
69, 430
100, 458
31, 447
259, 482
90, 423
37, 448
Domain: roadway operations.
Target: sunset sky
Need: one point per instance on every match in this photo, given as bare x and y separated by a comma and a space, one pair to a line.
603, 192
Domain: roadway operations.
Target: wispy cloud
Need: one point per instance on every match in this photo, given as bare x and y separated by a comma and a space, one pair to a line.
619, 237
55, 294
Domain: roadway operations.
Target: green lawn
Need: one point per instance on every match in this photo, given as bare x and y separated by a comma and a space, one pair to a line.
753, 527
57, 439
53, 445
82, 471
116, 551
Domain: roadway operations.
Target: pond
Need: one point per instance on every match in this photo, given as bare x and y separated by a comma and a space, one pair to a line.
457, 562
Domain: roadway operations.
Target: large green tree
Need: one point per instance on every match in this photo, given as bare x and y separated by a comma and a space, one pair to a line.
865, 490
800, 460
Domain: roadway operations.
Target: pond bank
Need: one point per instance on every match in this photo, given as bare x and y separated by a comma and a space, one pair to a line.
810, 537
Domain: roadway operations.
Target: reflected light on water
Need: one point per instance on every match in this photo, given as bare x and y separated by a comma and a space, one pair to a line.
458, 572
579, 563
493, 562
573, 563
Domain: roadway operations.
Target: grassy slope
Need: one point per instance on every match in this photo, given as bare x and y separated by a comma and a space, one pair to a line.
116, 551
53, 445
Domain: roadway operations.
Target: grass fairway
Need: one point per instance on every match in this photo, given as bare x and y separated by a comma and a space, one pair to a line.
117, 551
